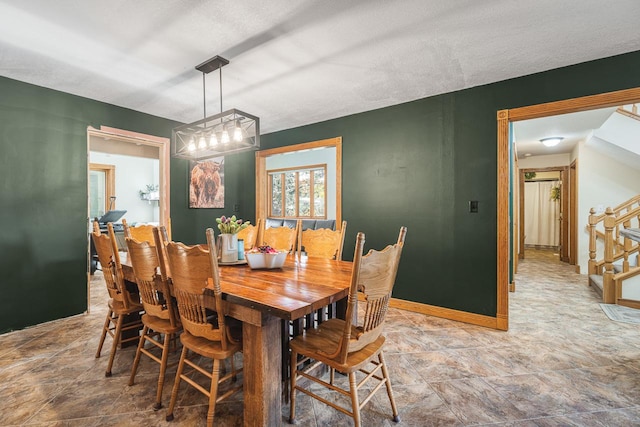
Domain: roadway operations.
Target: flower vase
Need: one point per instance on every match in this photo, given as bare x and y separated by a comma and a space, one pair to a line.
228, 247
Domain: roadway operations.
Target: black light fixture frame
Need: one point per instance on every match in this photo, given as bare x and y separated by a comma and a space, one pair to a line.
185, 136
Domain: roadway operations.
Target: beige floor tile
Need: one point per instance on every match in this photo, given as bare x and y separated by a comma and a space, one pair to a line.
562, 362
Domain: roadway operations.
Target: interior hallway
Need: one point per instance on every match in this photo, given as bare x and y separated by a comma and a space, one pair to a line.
562, 362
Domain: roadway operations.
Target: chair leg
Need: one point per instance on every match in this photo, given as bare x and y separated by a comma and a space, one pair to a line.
105, 328
114, 346
213, 392
176, 384
355, 404
163, 369
292, 399
385, 375
136, 360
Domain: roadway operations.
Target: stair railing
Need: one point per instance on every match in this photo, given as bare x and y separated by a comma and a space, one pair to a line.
616, 247
595, 266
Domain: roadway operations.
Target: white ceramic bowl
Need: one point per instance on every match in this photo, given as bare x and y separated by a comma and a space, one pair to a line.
261, 260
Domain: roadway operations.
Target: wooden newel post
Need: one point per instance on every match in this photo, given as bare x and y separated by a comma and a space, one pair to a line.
592, 241
608, 288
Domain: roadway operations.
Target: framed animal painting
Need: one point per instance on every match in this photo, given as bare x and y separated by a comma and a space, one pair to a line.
206, 183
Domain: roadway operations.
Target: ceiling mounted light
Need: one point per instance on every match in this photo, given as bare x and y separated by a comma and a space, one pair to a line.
214, 129
551, 142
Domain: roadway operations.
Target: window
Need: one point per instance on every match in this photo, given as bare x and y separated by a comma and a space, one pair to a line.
298, 193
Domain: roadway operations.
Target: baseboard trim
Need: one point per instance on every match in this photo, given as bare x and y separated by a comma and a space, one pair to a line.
451, 314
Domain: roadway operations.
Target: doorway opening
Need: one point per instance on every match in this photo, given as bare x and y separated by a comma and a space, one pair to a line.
140, 150
505, 246
543, 209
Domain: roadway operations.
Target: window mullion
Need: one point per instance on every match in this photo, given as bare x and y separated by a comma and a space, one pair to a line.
312, 195
297, 194
284, 194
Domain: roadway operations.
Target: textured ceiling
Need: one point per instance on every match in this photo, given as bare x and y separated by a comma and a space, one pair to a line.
298, 62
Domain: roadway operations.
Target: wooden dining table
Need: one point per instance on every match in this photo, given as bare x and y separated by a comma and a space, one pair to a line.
261, 299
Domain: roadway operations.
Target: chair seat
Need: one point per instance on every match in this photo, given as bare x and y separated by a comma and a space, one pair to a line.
316, 343
160, 325
207, 348
118, 307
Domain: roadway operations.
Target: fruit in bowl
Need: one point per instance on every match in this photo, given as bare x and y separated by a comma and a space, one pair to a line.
266, 249
265, 257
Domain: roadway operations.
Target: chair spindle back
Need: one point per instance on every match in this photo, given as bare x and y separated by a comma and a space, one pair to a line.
283, 238
154, 290
323, 242
192, 269
109, 258
373, 275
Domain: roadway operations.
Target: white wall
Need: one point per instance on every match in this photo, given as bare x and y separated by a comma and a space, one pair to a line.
311, 157
602, 182
550, 160
132, 175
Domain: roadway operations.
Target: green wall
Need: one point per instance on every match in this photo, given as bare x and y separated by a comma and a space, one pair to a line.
189, 225
419, 164
43, 198
415, 164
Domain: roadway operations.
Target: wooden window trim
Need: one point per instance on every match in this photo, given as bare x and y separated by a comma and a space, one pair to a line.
282, 172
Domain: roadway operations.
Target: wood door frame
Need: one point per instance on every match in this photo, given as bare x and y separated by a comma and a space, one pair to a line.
504, 117
573, 214
262, 179
163, 145
564, 200
109, 182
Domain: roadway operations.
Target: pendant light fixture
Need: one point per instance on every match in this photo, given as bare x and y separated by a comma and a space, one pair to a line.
227, 132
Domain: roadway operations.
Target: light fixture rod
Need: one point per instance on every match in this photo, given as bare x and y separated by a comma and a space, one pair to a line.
221, 89
204, 96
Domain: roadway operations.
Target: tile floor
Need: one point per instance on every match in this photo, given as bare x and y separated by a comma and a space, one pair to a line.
562, 362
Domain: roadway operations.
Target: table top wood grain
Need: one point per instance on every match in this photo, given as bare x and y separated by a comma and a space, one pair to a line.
300, 287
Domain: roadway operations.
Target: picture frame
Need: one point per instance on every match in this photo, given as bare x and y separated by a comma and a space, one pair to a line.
206, 183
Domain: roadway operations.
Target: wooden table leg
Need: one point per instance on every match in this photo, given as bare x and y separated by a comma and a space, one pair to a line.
262, 371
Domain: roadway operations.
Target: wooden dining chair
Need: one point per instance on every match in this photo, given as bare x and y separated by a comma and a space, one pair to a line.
161, 316
192, 269
282, 238
124, 305
141, 233
162, 237
250, 235
349, 346
322, 242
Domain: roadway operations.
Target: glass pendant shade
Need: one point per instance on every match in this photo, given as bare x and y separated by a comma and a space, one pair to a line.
225, 137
